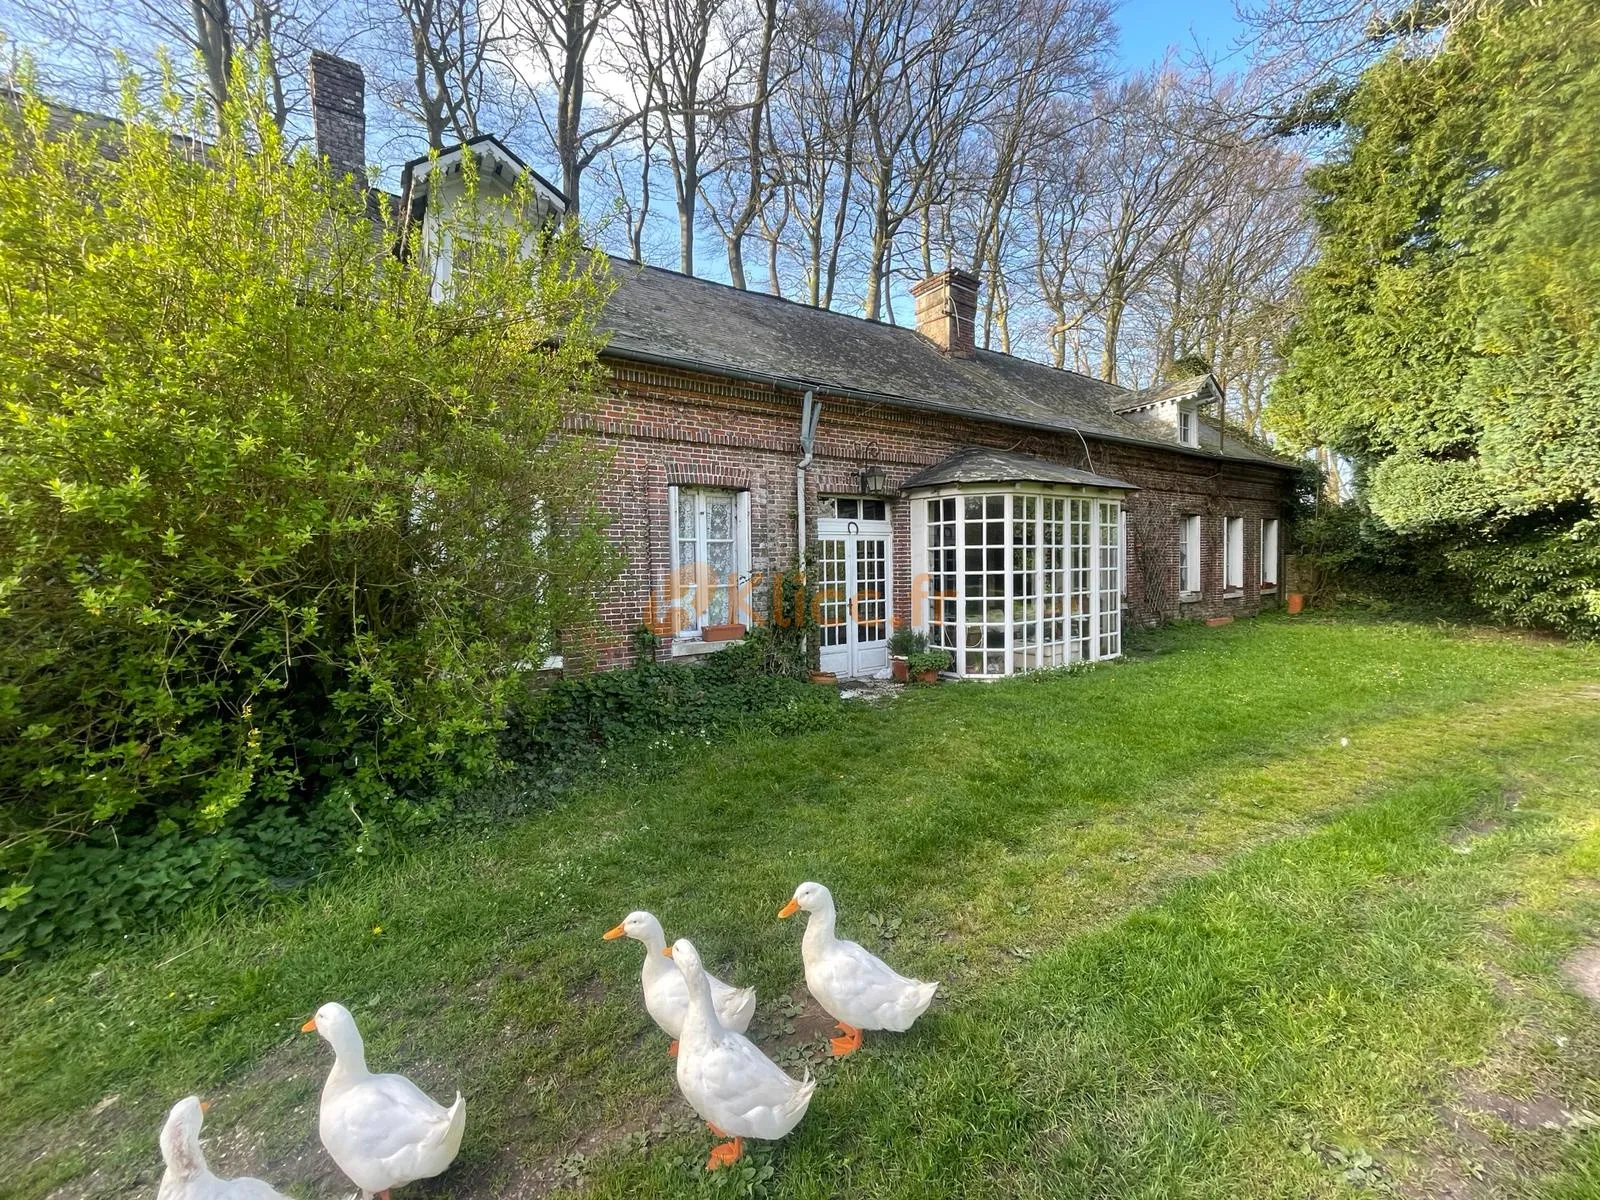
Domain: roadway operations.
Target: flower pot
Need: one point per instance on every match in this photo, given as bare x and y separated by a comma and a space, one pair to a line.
1297, 602
826, 677
931, 675
1215, 622
898, 668
721, 633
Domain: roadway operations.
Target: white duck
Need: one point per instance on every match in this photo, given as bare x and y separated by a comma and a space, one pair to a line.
737, 1090
187, 1176
858, 989
666, 998
382, 1130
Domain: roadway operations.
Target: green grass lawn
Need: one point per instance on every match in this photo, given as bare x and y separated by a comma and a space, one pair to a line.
1273, 910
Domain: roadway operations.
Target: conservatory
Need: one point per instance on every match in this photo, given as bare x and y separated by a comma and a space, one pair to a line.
1016, 562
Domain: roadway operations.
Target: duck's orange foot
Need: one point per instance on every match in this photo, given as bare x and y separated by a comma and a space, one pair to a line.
673, 1049
849, 1043
726, 1154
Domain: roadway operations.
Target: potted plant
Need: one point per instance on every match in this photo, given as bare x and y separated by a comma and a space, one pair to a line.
722, 633
826, 677
924, 665
903, 643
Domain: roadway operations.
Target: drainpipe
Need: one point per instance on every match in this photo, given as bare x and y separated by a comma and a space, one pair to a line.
810, 414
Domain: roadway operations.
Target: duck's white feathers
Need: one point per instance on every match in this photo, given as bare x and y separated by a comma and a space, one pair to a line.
860, 989
188, 1177
384, 1131
666, 997
209, 1187
741, 1091
722, 1074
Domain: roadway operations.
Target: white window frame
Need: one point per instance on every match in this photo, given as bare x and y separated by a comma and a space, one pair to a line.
1269, 554
1188, 426
1101, 617
1189, 576
1232, 554
679, 495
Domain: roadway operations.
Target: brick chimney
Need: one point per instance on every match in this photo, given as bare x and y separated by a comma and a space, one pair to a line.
338, 113
947, 307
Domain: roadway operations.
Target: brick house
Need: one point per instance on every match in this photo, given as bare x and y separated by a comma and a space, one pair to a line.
1017, 514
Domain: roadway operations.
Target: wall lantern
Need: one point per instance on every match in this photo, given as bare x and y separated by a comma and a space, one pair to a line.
874, 481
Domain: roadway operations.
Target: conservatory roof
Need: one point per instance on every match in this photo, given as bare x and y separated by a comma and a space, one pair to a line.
978, 464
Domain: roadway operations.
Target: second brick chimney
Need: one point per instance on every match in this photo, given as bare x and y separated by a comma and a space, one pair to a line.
339, 113
947, 307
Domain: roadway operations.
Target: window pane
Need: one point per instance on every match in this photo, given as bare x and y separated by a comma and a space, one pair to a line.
717, 613
874, 510
719, 517
686, 507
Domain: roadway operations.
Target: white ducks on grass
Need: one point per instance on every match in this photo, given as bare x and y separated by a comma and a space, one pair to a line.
857, 989
737, 1090
382, 1130
666, 997
187, 1176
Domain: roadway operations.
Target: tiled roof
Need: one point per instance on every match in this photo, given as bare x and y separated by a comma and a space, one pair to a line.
978, 464
659, 316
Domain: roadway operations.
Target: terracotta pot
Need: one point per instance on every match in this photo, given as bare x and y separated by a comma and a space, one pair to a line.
1297, 602
899, 669
1214, 622
931, 675
721, 633
827, 677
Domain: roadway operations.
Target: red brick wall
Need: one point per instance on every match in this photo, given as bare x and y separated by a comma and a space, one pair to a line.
667, 427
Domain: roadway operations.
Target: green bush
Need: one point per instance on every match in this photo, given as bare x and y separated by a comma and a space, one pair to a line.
279, 533
560, 727
1445, 341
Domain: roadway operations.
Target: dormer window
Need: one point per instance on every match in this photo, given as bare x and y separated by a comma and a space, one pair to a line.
1188, 427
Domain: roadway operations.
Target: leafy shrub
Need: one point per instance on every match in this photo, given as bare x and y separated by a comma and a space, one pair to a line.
279, 532
559, 726
1445, 340
919, 661
906, 641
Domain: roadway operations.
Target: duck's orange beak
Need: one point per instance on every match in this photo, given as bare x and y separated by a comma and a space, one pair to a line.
667, 950
310, 1026
789, 909
613, 933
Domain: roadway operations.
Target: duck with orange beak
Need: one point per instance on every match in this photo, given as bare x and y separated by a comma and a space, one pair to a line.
857, 989
666, 998
738, 1091
382, 1131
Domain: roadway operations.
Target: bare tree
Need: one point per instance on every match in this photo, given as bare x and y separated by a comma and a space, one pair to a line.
814, 118
562, 36
745, 182
924, 79
677, 55
77, 44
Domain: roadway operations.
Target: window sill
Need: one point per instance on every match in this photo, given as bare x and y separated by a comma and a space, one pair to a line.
1269, 589
1189, 597
695, 648
1233, 593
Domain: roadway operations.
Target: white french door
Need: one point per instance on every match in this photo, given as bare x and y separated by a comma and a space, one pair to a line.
853, 589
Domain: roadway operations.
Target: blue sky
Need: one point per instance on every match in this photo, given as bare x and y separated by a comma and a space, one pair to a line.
1150, 26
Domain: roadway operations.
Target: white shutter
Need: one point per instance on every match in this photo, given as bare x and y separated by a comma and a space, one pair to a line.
741, 533
672, 527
